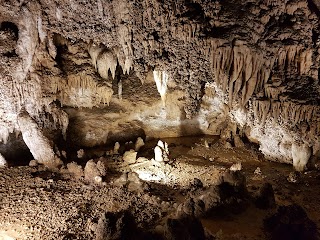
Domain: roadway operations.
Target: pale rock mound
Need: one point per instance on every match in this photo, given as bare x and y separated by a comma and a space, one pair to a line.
3, 162
300, 156
37, 143
93, 172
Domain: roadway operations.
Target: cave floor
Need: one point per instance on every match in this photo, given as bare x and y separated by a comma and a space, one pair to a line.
36, 203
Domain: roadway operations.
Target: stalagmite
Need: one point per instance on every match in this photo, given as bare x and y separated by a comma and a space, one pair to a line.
116, 148
37, 143
120, 89
300, 155
139, 144
3, 162
158, 154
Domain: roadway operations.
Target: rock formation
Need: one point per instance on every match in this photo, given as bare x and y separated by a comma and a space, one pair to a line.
237, 67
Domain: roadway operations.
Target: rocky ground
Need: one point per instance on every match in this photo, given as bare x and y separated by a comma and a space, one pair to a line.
204, 190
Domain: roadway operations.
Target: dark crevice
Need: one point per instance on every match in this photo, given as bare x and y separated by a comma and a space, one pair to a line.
313, 7
9, 26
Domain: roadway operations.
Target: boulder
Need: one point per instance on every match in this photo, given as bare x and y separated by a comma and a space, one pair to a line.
130, 156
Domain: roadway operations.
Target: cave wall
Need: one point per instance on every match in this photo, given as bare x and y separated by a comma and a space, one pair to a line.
164, 68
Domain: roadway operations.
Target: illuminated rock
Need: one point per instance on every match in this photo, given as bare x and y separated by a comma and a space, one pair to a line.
139, 144
130, 156
38, 144
116, 148
3, 162
158, 154
300, 155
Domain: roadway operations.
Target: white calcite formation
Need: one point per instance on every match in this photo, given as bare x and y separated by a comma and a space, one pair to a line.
130, 156
38, 144
139, 144
116, 148
93, 172
300, 156
3, 162
161, 152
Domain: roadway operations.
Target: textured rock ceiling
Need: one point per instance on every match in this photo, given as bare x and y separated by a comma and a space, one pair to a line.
113, 69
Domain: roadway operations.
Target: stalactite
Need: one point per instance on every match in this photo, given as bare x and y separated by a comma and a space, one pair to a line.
107, 61
81, 83
161, 79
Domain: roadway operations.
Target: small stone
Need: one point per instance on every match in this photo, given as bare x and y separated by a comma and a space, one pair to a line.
142, 159
257, 171
80, 153
238, 142
134, 177
75, 169
102, 168
293, 177
159, 229
64, 154
91, 171
228, 145
130, 156
98, 179
3, 162
236, 167
206, 144
33, 163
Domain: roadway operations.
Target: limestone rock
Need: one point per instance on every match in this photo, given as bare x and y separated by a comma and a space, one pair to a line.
238, 142
158, 154
139, 144
33, 163
236, 167
161, 152
300, 155
80, 153
3, 162
38, 144
116, 148
130, 156
75, 169
91, 172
